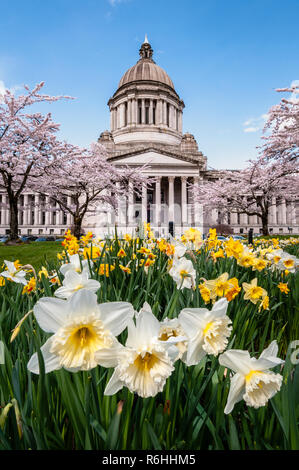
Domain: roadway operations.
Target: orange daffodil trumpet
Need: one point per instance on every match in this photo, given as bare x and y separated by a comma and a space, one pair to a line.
81, 328
207, 330
145, 362
253, 381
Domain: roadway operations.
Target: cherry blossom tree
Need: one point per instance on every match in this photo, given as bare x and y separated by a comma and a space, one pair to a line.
84, 179
250, 191
282, 127
28, 145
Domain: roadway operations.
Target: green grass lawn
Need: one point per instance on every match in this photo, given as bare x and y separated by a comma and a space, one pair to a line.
33, 253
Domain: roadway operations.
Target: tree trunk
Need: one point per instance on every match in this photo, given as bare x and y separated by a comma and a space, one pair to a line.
265, 224
14, 224
77, 226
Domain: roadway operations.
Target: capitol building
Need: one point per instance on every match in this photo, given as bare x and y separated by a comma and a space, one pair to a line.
146, 128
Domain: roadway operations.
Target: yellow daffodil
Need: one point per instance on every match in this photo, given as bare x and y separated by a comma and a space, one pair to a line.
253, 292
30, 287
283, 287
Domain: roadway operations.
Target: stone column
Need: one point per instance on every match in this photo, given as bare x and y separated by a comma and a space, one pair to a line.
171, 198
184, 199
159, 117
129, 114
36, 209
111, 119
69, 217
25, 210
164, 113
283, 212
143, 111
151, 112
144, 204
4, 211
234, 218
131, 204
273, 210
293, 213
197, 208
180, 122
158, 201
47, 218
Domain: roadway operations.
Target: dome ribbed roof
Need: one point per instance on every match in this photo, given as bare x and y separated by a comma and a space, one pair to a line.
146, 69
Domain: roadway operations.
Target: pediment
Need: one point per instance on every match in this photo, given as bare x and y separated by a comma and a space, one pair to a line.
153, 158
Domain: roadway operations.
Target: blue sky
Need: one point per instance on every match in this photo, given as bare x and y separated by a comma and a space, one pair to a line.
225, 57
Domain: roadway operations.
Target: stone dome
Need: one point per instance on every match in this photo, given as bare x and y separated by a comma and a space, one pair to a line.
146, 69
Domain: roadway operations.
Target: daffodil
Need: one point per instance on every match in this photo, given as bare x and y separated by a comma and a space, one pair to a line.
74, 281
253, 292
283, 287
144, 363
183, 273
81, 328
13, 274
75, 264
172, 329
207, 330
30, 286
253, 381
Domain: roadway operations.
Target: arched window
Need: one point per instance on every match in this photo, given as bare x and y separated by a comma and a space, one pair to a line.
167, 114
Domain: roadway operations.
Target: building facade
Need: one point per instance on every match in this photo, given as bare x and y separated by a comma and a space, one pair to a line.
146, 128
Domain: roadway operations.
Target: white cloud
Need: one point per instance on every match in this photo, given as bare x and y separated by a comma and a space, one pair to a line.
251, 129
255, 124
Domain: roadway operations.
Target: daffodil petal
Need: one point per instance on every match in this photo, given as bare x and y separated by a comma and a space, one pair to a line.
51, 361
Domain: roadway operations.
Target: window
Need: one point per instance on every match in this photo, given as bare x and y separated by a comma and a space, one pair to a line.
43, 218
64, 219
29, 231
32, 217
40, 231
238, 218
167, 114
280, 230
241, 230
176, 119
51, 231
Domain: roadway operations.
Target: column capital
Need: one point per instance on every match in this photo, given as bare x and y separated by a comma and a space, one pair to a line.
171, 179
184, 179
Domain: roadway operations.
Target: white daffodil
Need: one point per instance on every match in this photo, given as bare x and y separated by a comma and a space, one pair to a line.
183, 273
253, 381
144, 363
179, 249
288, 262
81, 328
74, 281
171, 329
76, 265
13, 274
207, 330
